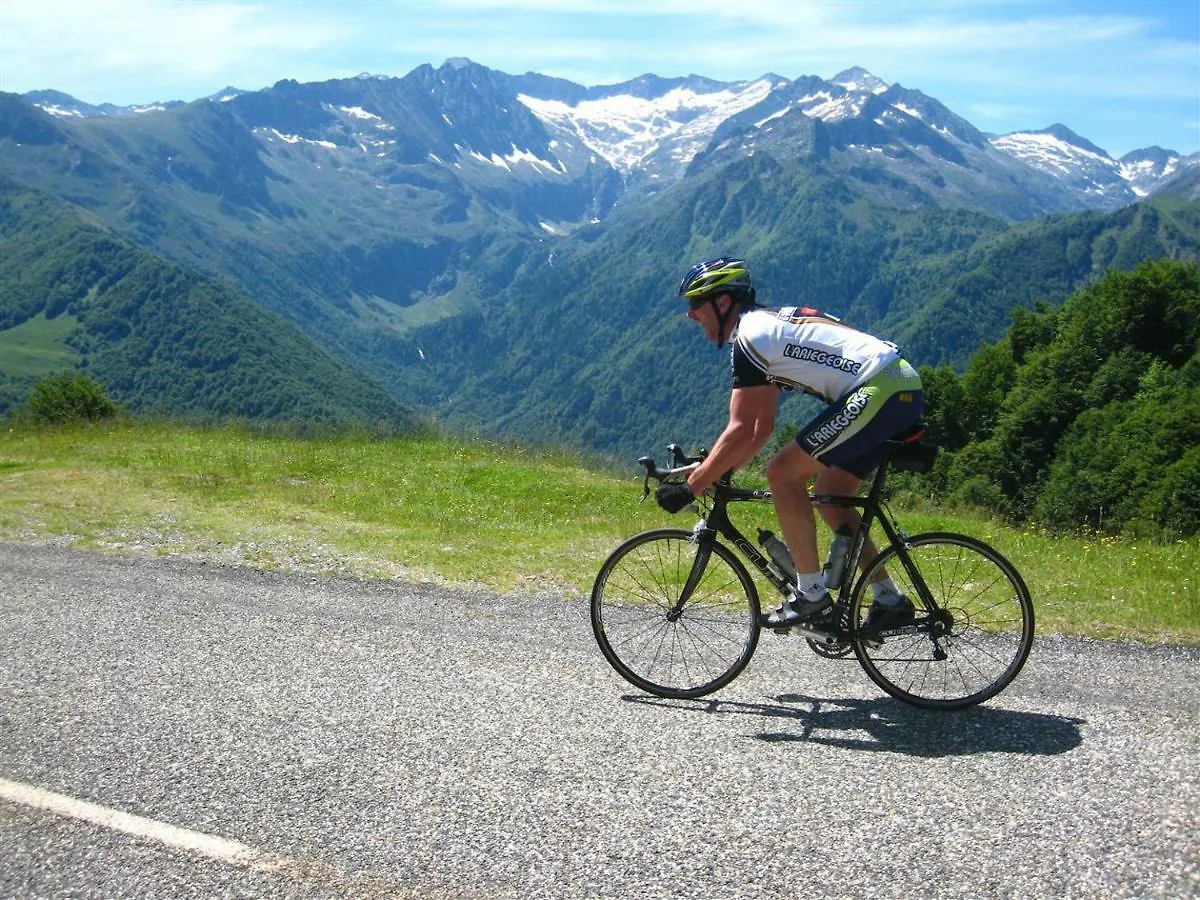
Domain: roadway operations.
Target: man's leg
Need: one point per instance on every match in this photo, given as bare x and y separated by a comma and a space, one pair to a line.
889, 607
839, 482
788, 474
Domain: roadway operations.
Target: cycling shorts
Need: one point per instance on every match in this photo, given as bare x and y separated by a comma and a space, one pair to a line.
852, 431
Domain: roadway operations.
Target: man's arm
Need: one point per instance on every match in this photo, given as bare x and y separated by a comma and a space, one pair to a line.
751, 420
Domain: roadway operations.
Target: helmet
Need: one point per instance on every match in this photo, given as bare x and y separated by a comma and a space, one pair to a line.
725, 274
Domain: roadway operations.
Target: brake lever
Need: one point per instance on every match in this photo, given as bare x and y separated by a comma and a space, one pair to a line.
647, 463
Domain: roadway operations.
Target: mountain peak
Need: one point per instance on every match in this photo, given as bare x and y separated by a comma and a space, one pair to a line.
857, 78
225, 94
1065, 134
1149, 154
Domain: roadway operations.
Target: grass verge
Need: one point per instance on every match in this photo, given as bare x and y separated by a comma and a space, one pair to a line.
474, 513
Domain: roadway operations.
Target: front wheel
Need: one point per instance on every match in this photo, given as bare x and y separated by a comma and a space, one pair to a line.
674, 616
972, 631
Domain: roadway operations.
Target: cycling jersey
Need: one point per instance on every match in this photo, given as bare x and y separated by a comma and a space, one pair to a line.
798, 348
873, 394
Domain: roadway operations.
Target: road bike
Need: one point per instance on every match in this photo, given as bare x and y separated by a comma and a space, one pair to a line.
676, 612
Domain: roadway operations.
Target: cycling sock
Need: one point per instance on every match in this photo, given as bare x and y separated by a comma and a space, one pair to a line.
811, 585
885, 592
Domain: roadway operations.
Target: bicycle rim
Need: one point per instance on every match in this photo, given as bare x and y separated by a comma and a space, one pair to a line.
671, 652
967, 650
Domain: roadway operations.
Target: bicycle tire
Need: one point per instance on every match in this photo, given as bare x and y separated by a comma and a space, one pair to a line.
689, 654
985, 630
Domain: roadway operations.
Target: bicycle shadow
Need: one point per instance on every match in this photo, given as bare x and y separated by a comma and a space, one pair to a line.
887, 725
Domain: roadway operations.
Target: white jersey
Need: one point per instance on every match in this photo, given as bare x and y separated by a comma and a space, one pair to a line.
798, 348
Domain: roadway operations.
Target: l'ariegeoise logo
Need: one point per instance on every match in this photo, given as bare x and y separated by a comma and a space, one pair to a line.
822, 358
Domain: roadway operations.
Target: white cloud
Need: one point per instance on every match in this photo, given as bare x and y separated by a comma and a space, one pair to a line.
74, 44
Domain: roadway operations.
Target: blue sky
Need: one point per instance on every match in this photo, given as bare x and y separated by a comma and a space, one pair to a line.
1124, 74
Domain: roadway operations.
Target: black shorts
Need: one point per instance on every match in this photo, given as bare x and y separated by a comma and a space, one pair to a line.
851, 432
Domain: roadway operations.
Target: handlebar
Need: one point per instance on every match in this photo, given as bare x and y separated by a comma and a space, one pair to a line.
680, 464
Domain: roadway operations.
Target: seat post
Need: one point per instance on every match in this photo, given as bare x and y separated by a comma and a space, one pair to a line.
881, 473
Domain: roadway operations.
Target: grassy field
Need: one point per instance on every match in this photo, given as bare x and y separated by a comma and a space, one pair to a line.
36, 347
474, 513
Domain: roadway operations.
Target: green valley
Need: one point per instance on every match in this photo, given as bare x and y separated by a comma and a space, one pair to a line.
159, 338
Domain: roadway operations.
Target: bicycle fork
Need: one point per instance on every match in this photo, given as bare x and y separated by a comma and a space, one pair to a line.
703, 539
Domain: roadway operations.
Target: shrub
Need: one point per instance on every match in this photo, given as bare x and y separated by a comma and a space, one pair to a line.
65, 398
979, 493
1180, 495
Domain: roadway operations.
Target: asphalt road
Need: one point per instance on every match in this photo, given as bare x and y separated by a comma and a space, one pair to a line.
180, 729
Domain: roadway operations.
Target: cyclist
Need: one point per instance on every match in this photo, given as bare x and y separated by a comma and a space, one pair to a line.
872, 395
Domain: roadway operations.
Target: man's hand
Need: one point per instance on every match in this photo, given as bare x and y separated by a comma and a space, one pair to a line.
674, 497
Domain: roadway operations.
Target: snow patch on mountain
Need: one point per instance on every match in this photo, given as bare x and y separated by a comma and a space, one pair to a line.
59, 112
63, 112
829, 108
1089, 168
1047, 150
357, 112
1147, 169
1134, 170
625, 129
295, 138
515, 158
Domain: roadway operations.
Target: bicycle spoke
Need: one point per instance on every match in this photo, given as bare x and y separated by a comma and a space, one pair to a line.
658, 645
980, 617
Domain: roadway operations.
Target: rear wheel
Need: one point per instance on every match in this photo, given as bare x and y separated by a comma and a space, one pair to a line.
971, 633
659, 644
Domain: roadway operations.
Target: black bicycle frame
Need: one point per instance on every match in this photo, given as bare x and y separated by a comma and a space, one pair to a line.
718, 522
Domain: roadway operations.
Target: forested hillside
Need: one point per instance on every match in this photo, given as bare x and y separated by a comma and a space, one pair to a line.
1046, 261
159, 338
1084, 416
589, 346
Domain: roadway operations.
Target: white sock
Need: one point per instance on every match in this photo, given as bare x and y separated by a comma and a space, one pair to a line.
885, 592
811, 585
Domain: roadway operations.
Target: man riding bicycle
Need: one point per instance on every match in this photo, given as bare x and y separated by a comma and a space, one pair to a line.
872, 395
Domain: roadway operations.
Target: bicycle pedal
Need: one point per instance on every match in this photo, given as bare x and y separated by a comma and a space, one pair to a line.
821, 637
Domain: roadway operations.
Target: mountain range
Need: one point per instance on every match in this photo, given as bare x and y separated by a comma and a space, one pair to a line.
651, 129
438, 231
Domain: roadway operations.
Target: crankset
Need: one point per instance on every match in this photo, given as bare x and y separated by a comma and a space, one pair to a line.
837, 649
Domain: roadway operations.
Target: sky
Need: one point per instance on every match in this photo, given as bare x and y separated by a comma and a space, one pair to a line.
1125, 74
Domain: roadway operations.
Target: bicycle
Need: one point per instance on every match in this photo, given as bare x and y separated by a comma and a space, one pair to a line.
676, 612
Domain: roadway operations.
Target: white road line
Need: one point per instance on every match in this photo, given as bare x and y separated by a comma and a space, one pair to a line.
213, 847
